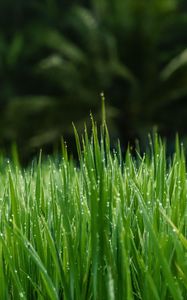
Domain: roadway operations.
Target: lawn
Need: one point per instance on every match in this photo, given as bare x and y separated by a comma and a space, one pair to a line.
108, 226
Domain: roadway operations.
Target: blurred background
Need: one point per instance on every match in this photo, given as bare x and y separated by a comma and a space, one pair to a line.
57, 56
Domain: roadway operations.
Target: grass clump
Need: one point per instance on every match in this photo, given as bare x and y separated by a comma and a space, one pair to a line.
107, 228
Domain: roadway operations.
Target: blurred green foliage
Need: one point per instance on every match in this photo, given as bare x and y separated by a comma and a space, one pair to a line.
56, 57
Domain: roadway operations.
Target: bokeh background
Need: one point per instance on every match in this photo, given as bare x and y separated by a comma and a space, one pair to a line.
57, 56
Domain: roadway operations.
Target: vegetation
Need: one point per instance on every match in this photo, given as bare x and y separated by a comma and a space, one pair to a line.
107, 227
56, 57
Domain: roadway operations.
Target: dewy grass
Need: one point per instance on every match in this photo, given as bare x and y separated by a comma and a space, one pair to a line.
106, 228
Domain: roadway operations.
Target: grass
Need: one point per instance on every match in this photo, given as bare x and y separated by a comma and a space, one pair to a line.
107, 227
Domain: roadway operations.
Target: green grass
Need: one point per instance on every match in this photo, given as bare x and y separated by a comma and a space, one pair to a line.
107, 227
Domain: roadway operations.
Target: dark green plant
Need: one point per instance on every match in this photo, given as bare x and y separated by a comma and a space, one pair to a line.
56, 57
